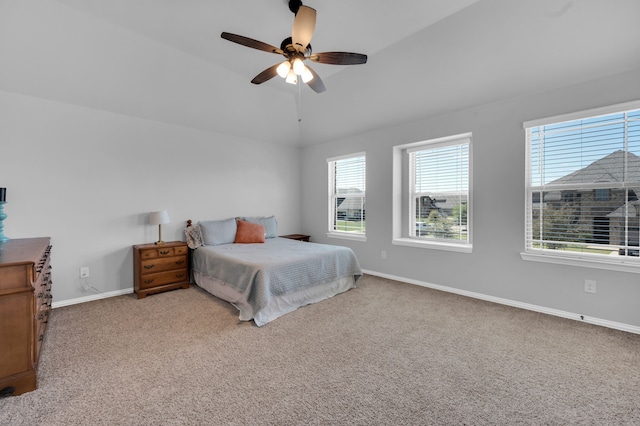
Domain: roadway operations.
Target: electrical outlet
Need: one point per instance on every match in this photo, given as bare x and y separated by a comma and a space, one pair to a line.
589, 286
384, 254
84, 272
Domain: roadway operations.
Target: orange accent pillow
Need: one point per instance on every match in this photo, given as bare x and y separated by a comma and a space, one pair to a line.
249, 233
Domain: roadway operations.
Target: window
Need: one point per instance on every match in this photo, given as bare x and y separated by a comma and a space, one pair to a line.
347, 187
583, 182
434, 208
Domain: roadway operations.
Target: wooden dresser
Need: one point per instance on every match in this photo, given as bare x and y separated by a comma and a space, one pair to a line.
25, 304
160, 267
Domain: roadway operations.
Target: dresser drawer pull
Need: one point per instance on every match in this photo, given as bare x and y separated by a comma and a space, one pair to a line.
149, 281
179, 275
165, 251
148, 266
179, 262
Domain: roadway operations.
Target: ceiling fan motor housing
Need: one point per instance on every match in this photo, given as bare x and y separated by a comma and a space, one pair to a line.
294, 5
287, 47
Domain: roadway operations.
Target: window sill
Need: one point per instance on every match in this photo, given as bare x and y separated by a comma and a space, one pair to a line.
347, 236
433, 245
590, 262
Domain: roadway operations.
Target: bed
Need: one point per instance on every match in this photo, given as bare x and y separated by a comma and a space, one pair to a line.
265, 276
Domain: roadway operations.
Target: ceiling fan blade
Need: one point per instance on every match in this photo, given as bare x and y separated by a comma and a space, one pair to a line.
304, 25
339, 58
249, 42
266, 75
316, 82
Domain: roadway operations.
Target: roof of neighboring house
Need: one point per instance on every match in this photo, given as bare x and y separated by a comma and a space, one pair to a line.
634, 208
350, 203
606, 169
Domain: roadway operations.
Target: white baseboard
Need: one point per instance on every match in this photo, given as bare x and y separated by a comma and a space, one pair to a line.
558, 313
91, 298
515, 304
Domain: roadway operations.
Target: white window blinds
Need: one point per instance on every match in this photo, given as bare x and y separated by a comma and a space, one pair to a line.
439, 191
583, 184
347, 194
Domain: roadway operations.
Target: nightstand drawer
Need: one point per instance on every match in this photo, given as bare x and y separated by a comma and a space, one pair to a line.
154, 280
162, 252
162, 264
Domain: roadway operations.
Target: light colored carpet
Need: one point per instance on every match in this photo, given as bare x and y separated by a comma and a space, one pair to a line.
383, 353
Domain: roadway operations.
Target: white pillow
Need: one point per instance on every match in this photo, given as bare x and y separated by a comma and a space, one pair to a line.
216, 232
269, 222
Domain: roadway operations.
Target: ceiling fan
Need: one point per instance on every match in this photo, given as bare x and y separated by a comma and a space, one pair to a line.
297, 49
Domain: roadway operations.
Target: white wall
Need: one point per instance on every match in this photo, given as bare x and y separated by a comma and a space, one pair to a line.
495, 267
88, 179
100, 126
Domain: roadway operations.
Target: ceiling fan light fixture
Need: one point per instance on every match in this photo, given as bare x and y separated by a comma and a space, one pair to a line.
306, 75
292, 78
298, 66
296, 49
283, 69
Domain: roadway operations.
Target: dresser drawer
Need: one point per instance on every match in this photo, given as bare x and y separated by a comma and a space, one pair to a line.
170, 277
162, 252
162, 264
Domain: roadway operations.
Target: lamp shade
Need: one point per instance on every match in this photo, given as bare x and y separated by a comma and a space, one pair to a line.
298, 66
307, 76
158, 218
283, 69
292, 78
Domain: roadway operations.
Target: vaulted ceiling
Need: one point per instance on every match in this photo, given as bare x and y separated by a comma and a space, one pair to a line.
165, 60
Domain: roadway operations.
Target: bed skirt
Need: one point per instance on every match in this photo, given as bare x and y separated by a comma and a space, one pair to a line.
279, 305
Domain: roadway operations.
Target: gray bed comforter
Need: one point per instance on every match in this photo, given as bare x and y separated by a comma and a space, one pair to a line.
276, 267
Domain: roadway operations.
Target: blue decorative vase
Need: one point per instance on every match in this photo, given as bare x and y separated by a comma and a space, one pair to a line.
3, 238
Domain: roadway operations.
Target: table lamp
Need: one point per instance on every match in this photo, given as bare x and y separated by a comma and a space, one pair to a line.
158, 218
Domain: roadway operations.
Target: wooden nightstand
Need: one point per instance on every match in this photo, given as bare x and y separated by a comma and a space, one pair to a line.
159, 268
299, 237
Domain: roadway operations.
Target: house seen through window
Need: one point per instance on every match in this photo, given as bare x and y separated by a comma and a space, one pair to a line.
347, 187
583, 185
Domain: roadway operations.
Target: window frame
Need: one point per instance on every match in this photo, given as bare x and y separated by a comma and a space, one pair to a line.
404, 202
599, 261
332, 196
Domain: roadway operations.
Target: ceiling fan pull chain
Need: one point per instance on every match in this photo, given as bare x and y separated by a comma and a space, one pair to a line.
299, 102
